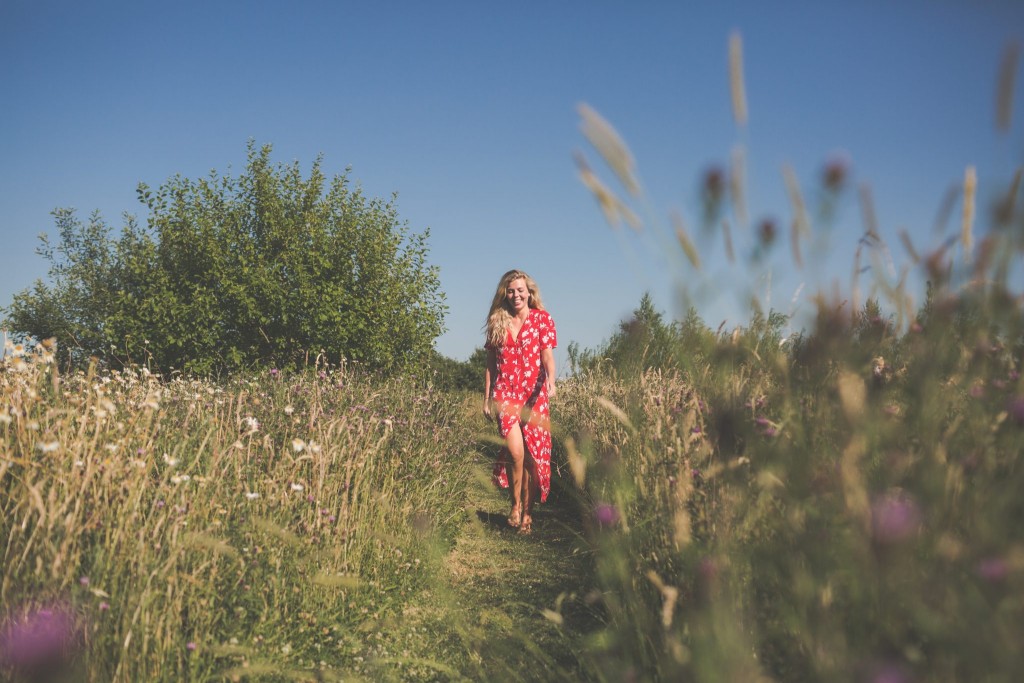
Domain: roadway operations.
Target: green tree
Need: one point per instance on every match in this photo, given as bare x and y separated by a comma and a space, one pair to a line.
230, 272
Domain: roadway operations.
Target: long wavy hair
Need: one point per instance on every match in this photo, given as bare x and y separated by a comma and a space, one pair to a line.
500, 315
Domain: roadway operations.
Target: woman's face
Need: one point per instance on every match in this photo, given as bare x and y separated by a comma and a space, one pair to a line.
517, 295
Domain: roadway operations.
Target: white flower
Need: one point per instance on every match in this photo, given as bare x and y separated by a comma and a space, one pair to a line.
79, 463
298, 445
171, 462
251, 423
298, 487
179, 478
251, 495
288, 410
5, 418
48, 446
313, 447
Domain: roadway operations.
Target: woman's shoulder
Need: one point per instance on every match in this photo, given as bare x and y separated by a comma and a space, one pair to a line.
540, 315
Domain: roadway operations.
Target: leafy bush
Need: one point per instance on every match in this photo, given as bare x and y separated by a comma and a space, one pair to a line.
228, 273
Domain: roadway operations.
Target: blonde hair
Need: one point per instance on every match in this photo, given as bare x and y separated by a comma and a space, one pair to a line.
500, 315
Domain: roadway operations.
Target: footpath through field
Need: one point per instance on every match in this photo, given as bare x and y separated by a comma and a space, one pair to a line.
506, 606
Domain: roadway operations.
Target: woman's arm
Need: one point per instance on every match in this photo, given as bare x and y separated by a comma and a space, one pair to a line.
488, 379
547, 359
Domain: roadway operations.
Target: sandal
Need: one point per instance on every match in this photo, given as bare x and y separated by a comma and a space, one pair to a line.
515, 519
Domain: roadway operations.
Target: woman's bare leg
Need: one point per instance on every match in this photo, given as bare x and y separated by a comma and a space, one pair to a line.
528, 492
514, 471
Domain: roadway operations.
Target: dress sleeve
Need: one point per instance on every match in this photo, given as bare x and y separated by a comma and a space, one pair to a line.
548, 336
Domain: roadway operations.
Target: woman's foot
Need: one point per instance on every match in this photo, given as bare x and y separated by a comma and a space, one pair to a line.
515, 519
526, 525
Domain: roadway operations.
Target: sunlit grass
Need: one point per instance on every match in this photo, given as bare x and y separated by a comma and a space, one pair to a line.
191, 526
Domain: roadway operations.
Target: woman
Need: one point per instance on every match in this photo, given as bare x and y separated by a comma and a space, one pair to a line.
519, 380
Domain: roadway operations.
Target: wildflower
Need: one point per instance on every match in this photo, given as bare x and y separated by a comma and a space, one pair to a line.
766, 231
5, 418
298, 445
992, 569
1016, 409
251, 495
40, 644
83, 581
251, 424
273, 372
180, 478
313, 447
288, 410
190, 646
104, 606
834, 172
48, 446
894, 517
298, 487
16, 350
170, 462
606, 514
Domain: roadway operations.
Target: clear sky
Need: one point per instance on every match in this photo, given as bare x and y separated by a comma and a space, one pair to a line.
468, 110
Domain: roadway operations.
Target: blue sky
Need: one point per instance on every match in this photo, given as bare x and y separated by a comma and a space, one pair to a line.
468, 110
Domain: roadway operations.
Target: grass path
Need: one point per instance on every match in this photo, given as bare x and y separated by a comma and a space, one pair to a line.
506, 606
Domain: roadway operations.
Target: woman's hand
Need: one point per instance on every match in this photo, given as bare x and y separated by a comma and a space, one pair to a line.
549, 385
487, 407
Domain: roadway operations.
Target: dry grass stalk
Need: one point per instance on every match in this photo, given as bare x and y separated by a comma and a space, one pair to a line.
736, 84
967, 225
614, 210
684, 240
610, 146
1004, 87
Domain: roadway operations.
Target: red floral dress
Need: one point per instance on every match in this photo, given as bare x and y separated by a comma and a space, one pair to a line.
522, 397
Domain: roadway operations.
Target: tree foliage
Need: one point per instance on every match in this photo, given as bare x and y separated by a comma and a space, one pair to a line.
229, 272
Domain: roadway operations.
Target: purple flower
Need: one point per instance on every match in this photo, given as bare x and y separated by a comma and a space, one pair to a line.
977, 391
894, 517
888, 672
762, 421
84, 581
992, 569
190, 646
696, 430
606, 514
39, 644
104, 606
1016, 409
273, 372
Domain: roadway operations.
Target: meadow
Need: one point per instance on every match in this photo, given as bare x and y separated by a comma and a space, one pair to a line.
840, 504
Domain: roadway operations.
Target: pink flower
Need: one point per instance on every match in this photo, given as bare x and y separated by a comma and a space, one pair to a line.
992, 569
606, 514
894, 517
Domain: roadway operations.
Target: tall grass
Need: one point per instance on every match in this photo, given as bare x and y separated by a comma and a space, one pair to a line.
193, 529
842, 505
